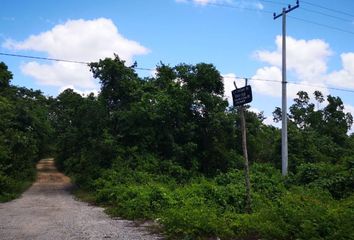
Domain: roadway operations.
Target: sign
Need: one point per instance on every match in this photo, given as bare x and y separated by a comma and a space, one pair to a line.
242, 96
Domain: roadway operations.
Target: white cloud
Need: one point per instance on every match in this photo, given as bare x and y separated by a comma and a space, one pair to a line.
306, 65
259, 6
268, 120
255, 110
79, 40
82, 93
307, 58
60, 74
205, 2
267, 81
349, 109
229, 80
262, 85
241, 3
344, 77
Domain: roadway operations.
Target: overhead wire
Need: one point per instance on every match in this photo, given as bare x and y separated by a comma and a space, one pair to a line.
42, 58
323, 87
317, 6
327, 8
291, 82
153, 69
273, 2
296, 18
325, 14
235, 7
321, 25
58, 60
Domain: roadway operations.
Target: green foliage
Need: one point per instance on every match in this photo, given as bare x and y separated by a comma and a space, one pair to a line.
11, 188
5, 76
337, 179
215, 207
25, 133
303, 214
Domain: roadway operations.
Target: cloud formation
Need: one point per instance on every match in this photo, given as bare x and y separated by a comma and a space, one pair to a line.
306, 64
241, 3
205, 2
79, 40
229, 80
307, 58
345, 76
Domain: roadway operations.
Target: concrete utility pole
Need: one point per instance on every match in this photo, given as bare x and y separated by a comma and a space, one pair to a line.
284, 117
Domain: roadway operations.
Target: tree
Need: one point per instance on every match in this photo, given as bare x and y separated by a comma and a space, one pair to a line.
118, 82
316, 135
337, 123
5, 76
25, 133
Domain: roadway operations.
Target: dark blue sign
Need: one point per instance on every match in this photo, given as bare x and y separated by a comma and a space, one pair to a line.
242, 96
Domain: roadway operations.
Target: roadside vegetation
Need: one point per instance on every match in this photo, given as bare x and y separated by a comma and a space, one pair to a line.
168, 149
25, 132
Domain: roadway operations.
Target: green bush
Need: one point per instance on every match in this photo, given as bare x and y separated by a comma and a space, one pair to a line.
303, 214
10, 188
337, 179
191, 221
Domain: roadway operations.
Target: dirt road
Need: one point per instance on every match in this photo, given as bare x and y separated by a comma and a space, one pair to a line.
47, 211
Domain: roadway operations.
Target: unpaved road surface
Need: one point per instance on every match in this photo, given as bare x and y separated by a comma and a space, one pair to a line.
47, 211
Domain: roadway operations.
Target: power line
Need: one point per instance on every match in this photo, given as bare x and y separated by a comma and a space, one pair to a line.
253, 79
323, 87
60, 60
43, 58
273, 2
327, 15
296, 18
153, 69
234, 7
322, 25
291, 82
327, 8
317, 6
317, 12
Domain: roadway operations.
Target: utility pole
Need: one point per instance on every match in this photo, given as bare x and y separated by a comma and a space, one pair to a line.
284, 117
241, 110
245, 156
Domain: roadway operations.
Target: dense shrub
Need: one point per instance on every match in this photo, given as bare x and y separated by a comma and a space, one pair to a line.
25, 133
304, 214
337, 179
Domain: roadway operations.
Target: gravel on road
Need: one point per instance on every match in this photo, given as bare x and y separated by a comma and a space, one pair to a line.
47, 211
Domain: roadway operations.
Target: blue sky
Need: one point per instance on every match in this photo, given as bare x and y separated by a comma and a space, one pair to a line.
239, 37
